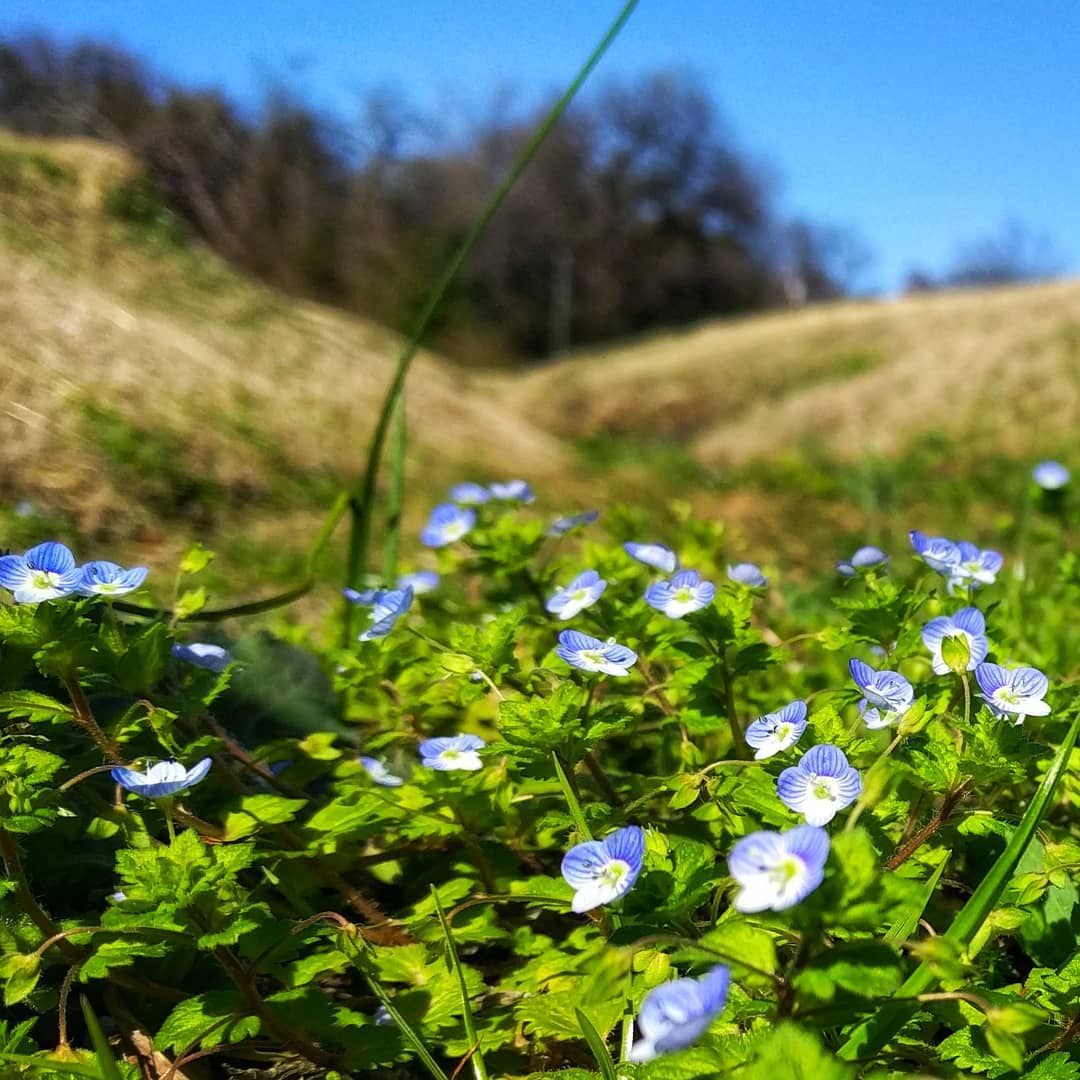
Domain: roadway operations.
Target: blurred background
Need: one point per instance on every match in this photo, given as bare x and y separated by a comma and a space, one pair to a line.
808, 269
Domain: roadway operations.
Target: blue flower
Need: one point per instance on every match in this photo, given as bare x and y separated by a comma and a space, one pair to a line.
160, 780
420, 581
885, 690
937, 552
975, 567
469, 494
107, 579
822, 784
379, 772
561, 526
204, 655
601, 871
1013, 692
748, 574
968, 623
777, 731
581, 593
663, 558
513, 491
1050, 475
684, 593
387, 606
775, 871
591, 654
447, 524
452, 752
45, 572
676, 1014
865, 558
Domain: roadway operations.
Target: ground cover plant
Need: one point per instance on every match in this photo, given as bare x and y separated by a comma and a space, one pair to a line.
585, 803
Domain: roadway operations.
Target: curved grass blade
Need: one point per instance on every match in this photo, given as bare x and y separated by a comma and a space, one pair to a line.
454, 963
597, 1046
352, 950
107, 1063
873, 1033
363, 501
904, 927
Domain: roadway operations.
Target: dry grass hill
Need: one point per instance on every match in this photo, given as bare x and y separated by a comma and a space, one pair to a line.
151, 394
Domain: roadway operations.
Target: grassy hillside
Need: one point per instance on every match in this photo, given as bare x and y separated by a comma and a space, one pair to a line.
153, 395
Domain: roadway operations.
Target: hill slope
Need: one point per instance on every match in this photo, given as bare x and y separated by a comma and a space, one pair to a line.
143, 378
848, 377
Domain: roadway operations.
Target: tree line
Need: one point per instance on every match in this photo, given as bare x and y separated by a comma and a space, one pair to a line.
642, 211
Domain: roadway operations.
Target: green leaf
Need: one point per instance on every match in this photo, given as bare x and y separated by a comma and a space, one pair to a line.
195, 560
1005, 1046
794, 1053
218, 1016
256, 810
908, 920
20, 972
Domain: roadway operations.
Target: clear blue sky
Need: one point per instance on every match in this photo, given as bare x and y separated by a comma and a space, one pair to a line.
922, 124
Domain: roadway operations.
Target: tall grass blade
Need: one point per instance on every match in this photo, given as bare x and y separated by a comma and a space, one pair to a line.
352, 950
597, 1046
363, 500
454, 963
107, 1063
872, 1034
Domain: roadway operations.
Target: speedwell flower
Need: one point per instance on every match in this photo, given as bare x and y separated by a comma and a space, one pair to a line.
1013, 692
513, 491
379, 773
601, 871
452, 752
447, 524
107, 579
561, 526
975, 567
887, 690
968, 623
866, 558
676, 1014
822, 784
937, 552
775, 871
387, 606
777, 731
469, 494
748, 574
420, 581
45, 572
203, 654
581, 593
160, 780
1050, 475
684, 593
591, 654
663, 558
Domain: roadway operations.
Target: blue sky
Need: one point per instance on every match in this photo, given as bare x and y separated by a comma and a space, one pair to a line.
921, 124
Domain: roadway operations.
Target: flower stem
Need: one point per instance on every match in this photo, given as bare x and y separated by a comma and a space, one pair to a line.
570, 794
84, 717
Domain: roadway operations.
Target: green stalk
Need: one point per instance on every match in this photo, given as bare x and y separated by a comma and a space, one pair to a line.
570, 795
349, 946
362, 501
872, 1034
397, 492
454, 963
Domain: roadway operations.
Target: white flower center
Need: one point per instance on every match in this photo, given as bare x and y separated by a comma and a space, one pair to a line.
450, 755
613, 873
45, 579
581, 594
593, 656
455, 530
826, 788
1006, 696
685, 595
783, 873
783, 731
